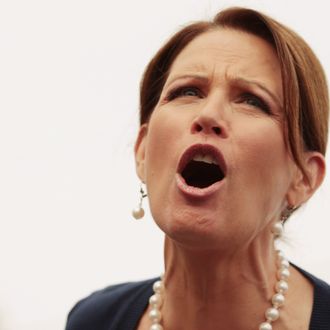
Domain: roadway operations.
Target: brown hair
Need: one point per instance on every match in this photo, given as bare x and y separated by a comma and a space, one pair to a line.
305, 92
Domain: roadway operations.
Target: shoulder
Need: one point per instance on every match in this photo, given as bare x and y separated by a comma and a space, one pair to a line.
321, 288
110, 307
320, 318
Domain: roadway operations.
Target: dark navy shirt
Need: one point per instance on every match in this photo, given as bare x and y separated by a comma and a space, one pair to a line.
120, 307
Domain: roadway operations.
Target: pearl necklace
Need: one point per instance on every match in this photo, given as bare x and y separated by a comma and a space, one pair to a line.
271, 314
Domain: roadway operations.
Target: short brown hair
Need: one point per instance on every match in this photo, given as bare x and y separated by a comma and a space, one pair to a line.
305, 91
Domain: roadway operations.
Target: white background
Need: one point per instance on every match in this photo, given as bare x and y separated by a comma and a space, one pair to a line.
69, 79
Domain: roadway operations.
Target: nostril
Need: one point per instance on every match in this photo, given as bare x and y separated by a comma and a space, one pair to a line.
198, 128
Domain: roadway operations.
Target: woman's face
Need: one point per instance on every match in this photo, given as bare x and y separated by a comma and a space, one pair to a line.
213, 154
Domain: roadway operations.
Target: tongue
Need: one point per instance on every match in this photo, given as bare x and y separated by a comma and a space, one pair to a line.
200, 174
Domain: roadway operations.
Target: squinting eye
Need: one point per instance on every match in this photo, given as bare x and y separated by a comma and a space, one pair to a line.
254, 101
187, 91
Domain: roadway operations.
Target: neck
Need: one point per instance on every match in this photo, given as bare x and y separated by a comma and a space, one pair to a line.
205, 288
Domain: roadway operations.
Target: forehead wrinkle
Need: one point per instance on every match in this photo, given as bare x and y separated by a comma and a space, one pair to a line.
190, 69
194, 70
220, 68
198, 71
187, 63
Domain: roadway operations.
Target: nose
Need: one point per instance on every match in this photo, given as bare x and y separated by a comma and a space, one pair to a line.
209, 121
206, 126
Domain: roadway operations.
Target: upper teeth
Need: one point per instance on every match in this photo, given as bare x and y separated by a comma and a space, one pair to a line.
205, 158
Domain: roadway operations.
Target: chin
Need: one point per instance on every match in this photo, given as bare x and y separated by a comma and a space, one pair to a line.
192, 229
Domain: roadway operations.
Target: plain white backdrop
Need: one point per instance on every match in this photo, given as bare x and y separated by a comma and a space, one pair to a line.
69, 80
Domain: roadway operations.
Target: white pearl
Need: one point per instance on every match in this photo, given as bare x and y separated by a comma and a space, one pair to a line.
158, 287
277, 229
155, 300
283, 263
272, 314
156, 327
265, 326
155, 315
278, 299
138, 213
280, 255
282, 286
283, 274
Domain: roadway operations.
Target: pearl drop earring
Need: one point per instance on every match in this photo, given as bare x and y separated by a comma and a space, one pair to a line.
138, 212
277, 228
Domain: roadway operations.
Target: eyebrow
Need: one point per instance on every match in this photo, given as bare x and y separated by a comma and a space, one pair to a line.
187, 76
233, 80
243, 81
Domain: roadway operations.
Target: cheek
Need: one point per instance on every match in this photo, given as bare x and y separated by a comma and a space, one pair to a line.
160, 147
265, 143
265, 159
160, 164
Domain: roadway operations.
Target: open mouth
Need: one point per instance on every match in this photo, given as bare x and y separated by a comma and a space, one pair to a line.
202, 166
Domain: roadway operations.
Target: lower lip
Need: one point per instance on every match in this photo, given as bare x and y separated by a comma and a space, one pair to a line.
195, 192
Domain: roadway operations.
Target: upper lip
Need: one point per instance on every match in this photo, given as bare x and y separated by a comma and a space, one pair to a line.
205, 149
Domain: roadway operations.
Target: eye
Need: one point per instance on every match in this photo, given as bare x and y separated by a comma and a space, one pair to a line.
254, 101
185, 91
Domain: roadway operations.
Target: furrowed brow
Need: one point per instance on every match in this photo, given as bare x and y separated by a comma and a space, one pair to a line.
247, 82
195, 77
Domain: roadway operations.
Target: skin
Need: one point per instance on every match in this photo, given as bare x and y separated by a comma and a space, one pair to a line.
219, 249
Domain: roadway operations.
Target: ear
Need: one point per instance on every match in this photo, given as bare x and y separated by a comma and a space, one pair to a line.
304, 186
140, 151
